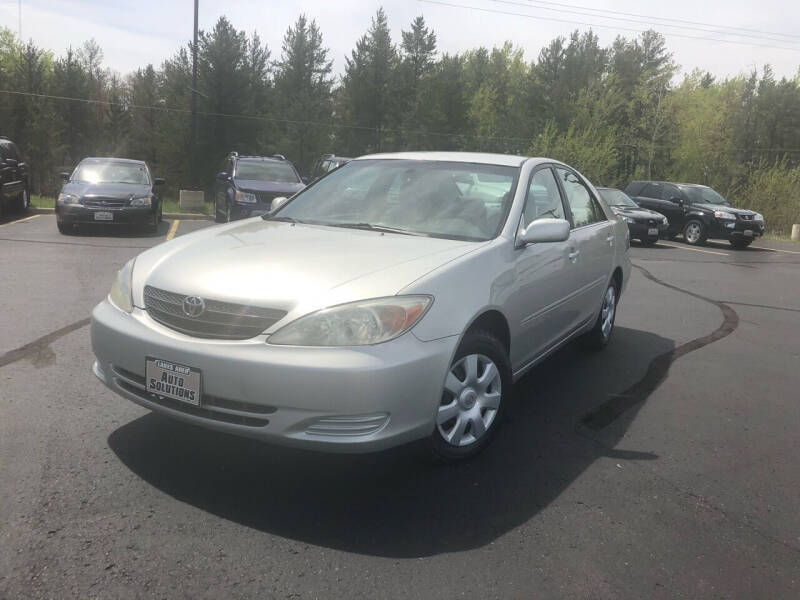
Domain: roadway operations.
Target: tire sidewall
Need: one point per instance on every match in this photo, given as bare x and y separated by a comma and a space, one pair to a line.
701, 239
476, 342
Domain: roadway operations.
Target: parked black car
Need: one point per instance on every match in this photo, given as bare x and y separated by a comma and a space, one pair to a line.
698, 212
644, 225
14, 178
327, 163
247, 185
116, 191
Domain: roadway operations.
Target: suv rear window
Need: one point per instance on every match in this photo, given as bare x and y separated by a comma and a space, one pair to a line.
652, 190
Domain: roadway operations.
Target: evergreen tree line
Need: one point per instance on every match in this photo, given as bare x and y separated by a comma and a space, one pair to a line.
613, 112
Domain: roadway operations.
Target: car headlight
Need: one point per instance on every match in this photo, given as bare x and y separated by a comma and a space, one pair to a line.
664, 220
67, 199
361, 323
142, 201
758, 217
121, 294
629, 220
245, 197
721, 214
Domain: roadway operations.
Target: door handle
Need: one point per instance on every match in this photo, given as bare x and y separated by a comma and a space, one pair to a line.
610, 239
573, 256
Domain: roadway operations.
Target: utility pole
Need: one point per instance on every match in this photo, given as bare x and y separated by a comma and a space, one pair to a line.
193, 151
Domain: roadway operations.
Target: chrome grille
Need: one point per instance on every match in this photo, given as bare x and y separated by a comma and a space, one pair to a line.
746, 217
221, 320
268, 197
95, 202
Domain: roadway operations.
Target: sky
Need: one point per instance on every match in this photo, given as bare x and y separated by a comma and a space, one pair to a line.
134, 33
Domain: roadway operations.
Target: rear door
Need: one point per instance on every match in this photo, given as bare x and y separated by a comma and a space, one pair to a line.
541, 305
673, 206
593, 237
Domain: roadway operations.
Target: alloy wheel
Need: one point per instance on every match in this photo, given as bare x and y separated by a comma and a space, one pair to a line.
608, 311
692, 233
471, 399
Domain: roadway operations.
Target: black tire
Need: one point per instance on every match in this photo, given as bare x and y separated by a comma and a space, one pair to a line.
649, 241
486, 345
160, 213
600, 335
694, 233
740, 244
64, 228
219, 217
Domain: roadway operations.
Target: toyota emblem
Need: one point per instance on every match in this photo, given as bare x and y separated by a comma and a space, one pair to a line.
193, 306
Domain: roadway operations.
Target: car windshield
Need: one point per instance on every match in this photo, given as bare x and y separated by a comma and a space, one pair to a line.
704, 195
111, 172
617, 198
439, 199
278, 172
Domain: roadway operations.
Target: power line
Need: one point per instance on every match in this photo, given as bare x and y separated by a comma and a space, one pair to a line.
653, 22
542, 18
627, 14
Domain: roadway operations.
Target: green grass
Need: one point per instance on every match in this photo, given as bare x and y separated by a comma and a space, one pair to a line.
780, 238
170, 205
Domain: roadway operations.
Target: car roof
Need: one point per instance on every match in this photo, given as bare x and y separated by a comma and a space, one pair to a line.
113, 159
260, 158
506, 160
699, 185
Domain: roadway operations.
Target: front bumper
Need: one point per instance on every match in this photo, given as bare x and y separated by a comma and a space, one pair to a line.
333, 399
736, 230
641, 230
127, 215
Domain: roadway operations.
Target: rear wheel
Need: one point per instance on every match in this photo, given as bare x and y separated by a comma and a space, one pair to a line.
600, 334
694, 233
740, 244
476, 390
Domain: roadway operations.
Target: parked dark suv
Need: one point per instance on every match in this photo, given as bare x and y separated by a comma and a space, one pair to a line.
327, 163
247, 185
14, 178
698, 212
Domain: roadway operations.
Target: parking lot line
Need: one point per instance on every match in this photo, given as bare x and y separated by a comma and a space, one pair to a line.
775, 250
173, 229
693, 249
26, 219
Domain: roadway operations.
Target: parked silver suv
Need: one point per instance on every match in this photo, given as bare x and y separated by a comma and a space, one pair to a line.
398, 298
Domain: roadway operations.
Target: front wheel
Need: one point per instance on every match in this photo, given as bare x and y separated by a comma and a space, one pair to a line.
24, 201
64, 228
694, 233
740, 244
476, 390
649, 241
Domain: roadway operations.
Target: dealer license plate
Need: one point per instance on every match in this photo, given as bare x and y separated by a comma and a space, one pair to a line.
103, 216
652, 231
173, 381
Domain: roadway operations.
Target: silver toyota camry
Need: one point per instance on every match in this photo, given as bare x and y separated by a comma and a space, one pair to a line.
396, 299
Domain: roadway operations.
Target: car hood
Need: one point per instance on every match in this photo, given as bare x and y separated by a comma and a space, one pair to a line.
295, 268
637, 213
730, 209
253, 185
123, 191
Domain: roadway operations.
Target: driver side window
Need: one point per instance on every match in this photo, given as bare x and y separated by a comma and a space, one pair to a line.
543, 199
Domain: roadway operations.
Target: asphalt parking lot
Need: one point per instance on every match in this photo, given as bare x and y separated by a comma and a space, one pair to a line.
666, 466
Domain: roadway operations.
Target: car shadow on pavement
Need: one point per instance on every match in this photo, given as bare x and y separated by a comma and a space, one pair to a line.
392, 503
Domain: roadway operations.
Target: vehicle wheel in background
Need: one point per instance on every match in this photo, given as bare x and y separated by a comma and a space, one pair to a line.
218, 215
649, 241
228, 213
476, 390
694, 233
64, 228
740, 244
599, 336
160, 213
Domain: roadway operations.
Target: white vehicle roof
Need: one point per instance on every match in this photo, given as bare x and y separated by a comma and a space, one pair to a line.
506, 160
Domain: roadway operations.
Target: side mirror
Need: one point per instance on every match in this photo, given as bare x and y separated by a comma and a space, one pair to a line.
543, 231
223, 176
277, 203
64, 176
305, 180
676, 200
159, 181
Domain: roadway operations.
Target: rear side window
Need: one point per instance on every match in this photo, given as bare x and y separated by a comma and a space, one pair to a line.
652, 190
670, 192
585, 209
543, 199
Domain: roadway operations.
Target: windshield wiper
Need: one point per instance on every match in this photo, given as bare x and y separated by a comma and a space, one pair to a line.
269, 217
381, 228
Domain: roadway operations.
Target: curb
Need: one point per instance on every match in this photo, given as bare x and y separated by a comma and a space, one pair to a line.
180, 216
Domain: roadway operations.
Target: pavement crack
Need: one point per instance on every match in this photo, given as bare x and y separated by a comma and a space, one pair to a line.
39, 349
658, 369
